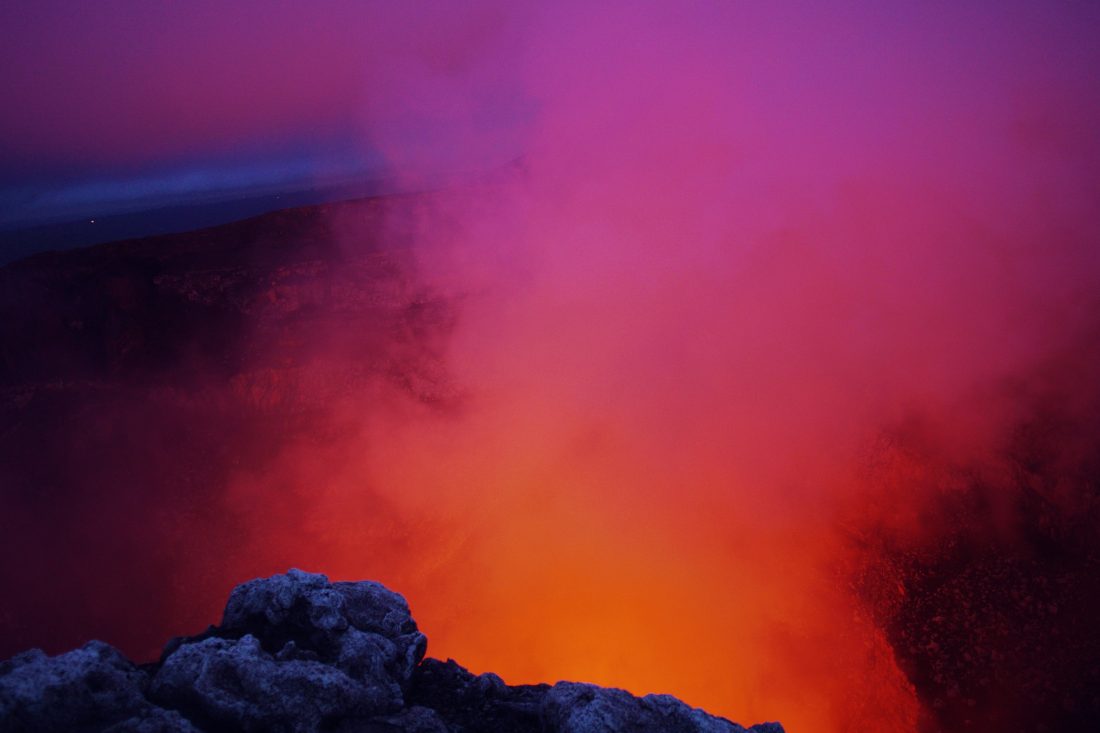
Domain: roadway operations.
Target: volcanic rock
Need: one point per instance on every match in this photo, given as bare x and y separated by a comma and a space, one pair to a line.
93, 688
298, 654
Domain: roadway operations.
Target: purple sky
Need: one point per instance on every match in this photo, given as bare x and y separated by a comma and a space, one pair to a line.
121, 105
118, 104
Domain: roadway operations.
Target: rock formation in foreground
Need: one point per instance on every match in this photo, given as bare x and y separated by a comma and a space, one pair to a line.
297, 653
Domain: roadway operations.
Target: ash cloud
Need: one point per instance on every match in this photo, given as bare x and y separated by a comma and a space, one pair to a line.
743, 349
745, 247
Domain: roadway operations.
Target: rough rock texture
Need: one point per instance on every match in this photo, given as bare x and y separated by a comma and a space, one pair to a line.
296, 653
468, 702
91, 688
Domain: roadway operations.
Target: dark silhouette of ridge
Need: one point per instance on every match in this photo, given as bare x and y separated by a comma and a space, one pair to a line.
296, 653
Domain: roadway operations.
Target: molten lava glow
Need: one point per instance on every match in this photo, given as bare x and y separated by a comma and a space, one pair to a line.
723, 273
745, 245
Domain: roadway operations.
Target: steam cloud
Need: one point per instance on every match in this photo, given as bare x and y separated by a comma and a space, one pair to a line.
765, 283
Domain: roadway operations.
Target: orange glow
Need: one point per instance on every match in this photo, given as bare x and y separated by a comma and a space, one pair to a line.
744, 243
673, 347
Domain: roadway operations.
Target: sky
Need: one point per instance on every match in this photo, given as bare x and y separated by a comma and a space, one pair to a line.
123, 105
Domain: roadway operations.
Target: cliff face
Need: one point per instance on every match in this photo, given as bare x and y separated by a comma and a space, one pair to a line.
137, 378
295, 652
216, 302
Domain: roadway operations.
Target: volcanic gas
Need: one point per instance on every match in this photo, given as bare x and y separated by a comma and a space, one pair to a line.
764, 377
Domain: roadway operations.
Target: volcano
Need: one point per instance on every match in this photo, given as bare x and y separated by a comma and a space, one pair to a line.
168, 403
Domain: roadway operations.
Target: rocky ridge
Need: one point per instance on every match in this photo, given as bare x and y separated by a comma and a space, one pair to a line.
296, 653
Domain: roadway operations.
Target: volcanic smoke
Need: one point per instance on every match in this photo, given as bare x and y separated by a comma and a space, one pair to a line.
764, 377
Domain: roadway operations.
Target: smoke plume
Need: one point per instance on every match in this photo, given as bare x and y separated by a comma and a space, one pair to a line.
771, 349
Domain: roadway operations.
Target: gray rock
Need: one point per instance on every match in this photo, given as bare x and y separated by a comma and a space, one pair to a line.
351, 625
89, 688
235, 682
413, 720
571, 707
297, 654
154, 720
372, 659
273, 599
372, 607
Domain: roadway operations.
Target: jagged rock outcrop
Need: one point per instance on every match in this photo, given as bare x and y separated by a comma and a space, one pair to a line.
93, 688
296, 653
